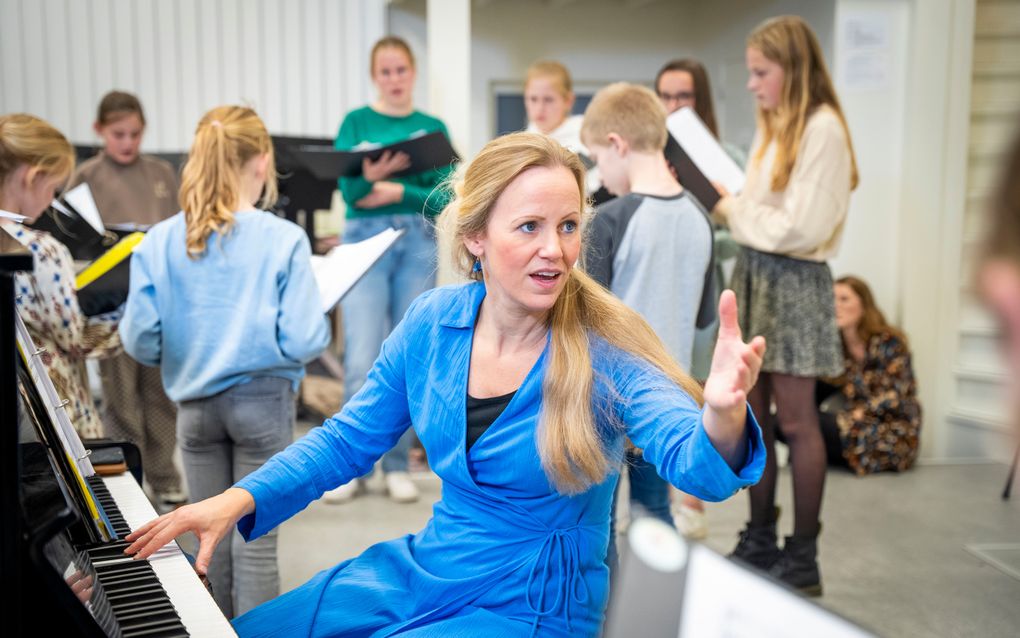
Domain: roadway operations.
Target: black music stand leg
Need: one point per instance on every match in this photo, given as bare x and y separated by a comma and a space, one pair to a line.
1012, 472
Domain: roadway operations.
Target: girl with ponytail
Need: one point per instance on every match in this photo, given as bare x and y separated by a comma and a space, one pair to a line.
223, 300
35, 161
522, 385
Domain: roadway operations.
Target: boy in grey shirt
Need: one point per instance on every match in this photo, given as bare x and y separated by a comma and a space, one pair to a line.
652, 246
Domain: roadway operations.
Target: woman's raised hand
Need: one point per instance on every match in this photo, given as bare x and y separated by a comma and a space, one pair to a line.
210, 520
387, 164
735, 367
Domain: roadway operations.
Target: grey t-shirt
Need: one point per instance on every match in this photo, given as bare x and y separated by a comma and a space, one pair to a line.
655, 254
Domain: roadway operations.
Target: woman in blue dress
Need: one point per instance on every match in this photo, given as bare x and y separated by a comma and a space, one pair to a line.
522, 386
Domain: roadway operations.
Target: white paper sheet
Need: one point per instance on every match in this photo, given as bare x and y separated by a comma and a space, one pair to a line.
724, 600
704, 150
337, 271
80, 197
4, 214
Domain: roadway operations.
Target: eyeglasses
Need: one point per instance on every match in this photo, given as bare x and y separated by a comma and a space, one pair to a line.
683, 96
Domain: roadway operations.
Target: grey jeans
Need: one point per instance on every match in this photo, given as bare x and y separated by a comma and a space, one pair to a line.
224, 438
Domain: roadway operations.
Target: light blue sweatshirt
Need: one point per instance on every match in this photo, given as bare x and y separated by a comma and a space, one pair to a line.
248, 308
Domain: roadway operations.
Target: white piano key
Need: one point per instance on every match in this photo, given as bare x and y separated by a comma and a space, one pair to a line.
198, 611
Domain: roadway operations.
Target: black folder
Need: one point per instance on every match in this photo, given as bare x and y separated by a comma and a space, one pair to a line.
426, 152
689, 176
84, 241
107, 293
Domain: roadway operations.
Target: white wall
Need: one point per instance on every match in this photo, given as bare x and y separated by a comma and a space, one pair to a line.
300, 63
870, 66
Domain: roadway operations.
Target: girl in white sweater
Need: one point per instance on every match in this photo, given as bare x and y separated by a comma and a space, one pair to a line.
789, 220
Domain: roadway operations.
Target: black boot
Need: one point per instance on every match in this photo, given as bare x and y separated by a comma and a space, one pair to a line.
758, 546
798, 565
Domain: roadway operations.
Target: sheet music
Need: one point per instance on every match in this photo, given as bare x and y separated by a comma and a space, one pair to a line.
59, 206
65, 431
724, 600
337, 271
704, 150
4, 214
80, 197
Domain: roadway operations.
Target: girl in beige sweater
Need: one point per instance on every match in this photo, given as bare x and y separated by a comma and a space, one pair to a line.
788, 220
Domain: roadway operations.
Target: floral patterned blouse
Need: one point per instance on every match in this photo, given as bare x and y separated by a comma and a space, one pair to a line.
882, 421
48, 303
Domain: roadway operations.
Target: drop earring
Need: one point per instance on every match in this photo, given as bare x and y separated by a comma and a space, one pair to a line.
477, 267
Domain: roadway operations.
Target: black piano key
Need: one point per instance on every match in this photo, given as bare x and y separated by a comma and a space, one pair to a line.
135, 593
151, 606
127, 615
148, 620
128, 579
172, 627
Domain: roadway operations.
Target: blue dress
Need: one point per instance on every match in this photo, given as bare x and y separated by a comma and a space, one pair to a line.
504, 554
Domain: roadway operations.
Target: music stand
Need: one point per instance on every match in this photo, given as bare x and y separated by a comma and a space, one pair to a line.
301, 193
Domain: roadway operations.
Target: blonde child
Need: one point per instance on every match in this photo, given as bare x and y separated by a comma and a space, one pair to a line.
789, 220
223, 300
548, 101
35, 161
651, 246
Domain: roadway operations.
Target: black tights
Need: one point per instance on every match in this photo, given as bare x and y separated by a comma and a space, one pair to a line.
798, 418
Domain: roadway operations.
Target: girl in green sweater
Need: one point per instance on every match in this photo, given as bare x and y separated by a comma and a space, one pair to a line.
377, 200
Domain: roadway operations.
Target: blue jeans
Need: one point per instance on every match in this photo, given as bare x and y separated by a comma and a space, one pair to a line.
378, 302
649, 496
224, 438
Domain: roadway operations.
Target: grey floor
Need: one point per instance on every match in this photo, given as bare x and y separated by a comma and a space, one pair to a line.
892, 552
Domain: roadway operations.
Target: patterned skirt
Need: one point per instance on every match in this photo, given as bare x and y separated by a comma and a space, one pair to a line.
790, 303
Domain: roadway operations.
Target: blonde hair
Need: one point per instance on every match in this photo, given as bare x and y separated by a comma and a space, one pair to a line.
789, 42
389, 42
633, 112
28, 140
571, 447
226, 138
554, 71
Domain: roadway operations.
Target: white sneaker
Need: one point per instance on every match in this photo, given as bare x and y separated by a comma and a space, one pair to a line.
343, 494
401, 488
692, 523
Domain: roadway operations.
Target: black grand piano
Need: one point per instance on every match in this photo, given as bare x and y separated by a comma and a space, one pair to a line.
63, 525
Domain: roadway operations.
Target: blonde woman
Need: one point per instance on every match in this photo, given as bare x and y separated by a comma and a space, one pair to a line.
35, 161
789, 221
522, 385
223, 300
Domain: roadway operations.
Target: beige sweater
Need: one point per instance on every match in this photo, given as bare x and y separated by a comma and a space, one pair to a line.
805, 220
142, 192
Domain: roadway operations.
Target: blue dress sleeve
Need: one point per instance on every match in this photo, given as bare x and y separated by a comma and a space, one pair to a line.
141, 328
666, 423
344, 447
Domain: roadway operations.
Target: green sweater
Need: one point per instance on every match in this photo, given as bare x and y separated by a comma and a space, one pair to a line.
421, 194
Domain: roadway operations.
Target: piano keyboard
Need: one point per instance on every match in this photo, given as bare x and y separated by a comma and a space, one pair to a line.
198, 612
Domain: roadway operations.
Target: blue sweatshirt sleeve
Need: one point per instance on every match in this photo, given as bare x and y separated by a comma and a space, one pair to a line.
301, 326
141, 328
666, 423
344, 447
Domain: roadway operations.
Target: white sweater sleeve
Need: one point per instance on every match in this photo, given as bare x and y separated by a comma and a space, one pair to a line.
813, 206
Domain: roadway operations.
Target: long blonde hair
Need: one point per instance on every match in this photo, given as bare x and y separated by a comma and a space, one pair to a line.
572, 450
789, 42
226, 138
28, 140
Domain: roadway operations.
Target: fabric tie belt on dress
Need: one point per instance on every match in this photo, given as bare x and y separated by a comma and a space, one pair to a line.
560, 558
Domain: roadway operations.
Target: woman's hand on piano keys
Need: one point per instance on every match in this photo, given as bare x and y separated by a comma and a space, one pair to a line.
210, 520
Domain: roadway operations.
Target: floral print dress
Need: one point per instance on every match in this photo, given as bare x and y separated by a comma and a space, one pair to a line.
881, 424
48, 303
